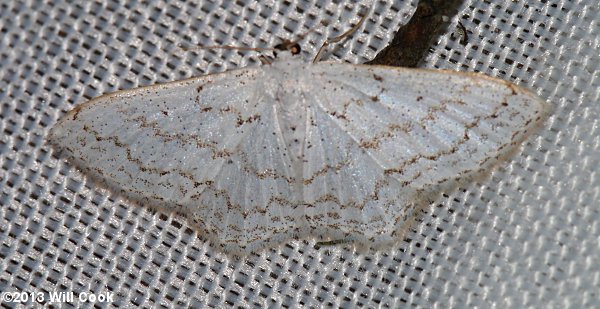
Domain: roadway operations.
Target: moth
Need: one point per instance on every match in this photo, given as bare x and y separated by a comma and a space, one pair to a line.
257, 156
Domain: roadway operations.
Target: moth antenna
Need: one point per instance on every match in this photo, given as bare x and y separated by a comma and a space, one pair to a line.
340, 37
230, 47
292, 46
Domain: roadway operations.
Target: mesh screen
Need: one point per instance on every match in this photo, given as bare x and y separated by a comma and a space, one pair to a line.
529, 235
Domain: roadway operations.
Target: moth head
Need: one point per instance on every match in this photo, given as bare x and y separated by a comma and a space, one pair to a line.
290, 46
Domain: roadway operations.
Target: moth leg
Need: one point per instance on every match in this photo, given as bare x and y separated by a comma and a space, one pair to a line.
330, 243
339, 38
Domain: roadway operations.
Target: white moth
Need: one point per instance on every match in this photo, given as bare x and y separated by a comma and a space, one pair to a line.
257, 156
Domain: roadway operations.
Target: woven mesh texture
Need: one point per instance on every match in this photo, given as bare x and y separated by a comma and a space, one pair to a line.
529, 235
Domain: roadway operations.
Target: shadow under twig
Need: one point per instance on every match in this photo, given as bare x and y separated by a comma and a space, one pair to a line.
413, 40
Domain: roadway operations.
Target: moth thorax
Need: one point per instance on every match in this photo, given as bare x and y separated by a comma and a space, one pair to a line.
292, 107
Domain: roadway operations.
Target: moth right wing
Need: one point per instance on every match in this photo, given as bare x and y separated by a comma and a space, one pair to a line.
425, 127
382, 138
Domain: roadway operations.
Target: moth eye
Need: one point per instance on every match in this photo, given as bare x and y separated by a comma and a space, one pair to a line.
295, 49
